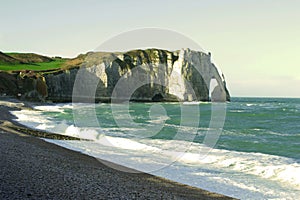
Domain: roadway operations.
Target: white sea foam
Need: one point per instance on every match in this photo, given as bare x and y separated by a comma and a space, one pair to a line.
262, 165
159, 120
29, 116
191, 103
241, 175
237, 111
56, 108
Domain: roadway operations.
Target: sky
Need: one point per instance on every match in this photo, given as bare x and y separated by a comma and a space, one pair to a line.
256, 43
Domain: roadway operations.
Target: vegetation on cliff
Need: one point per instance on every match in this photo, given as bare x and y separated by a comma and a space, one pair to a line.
29, 61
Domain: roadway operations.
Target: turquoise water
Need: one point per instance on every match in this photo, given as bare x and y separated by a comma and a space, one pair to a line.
256, 156
265, 125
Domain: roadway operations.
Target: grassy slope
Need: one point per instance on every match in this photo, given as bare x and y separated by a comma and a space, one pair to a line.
29, 57
6, 59
28, 61
57, 63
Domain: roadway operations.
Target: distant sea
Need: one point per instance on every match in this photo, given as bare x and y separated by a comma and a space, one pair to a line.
257, 155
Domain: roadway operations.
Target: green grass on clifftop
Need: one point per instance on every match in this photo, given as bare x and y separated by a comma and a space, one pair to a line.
55, 64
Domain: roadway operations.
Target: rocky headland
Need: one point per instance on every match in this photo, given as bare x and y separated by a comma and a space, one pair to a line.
183, 75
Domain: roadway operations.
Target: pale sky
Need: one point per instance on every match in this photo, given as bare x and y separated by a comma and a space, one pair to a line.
255, 43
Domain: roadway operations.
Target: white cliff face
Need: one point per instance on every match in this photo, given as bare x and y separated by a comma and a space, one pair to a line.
151, 75
99, 71
176, 82
198, 74
202, 67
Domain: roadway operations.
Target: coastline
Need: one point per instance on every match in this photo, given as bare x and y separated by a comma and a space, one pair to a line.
33, 168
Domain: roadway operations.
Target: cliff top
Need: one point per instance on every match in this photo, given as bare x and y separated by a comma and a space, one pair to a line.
36, 62
28, 61
29, 57
6, 59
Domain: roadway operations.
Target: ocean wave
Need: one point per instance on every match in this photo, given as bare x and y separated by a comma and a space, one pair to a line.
243, 170
237, 111
263, 165
54, 108
266, 166
254, 174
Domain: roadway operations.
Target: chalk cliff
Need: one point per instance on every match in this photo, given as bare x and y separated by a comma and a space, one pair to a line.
141, 75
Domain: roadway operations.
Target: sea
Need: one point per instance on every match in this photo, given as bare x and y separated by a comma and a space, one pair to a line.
248, 148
